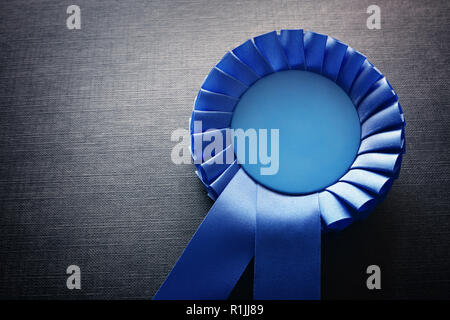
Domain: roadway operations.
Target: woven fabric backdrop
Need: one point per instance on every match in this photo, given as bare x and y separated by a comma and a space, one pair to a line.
86, 118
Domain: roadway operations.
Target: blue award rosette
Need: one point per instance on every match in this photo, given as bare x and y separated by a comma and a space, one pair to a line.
332, 169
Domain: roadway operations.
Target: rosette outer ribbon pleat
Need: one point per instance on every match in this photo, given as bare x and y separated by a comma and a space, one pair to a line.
282, 232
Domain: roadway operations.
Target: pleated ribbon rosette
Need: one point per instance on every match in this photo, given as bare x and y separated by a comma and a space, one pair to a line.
282, 232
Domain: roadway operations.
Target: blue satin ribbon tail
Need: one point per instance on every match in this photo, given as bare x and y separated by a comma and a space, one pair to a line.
220, 250
287, 246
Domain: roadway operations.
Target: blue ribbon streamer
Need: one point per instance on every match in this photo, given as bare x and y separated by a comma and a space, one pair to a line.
282, 233
220, 250
287, 246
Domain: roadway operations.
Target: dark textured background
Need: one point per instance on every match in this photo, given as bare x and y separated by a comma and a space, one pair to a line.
85, 123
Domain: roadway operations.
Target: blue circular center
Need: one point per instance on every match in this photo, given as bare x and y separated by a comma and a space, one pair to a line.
300, 132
